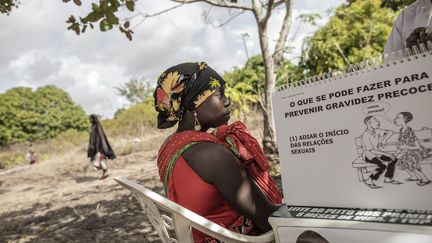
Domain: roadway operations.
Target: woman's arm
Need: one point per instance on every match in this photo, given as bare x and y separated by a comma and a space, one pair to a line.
387, 134
216, 165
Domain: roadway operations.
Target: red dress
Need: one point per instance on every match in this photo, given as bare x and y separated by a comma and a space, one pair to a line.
185, 187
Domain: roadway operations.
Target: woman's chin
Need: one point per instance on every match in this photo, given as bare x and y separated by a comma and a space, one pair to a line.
226, 119
224, 122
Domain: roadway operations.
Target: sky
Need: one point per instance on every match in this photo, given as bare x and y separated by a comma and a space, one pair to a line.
37, 49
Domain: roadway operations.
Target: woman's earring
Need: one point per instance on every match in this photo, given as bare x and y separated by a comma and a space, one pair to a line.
181, 113
197, 125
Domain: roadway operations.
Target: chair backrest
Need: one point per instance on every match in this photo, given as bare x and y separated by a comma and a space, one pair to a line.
174, 223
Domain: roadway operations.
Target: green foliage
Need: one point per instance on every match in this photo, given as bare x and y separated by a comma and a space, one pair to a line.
251, 74
69, 139
357, 31
11, 159
134, 120
310, 18
29, 116
103, 13
241, 96
15, 154
288, 72
6, 6
118, 112
135, 90
245, 85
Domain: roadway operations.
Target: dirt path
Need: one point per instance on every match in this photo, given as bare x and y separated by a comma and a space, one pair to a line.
63, 200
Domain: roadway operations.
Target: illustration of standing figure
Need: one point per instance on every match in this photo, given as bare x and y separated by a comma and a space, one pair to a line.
410, 152
373, 139
99, 149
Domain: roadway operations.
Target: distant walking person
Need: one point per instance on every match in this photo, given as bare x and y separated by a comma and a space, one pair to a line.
99, 149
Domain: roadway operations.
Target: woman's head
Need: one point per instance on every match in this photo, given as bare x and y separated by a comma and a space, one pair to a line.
403, 118
214, 111
93, 119
191, 89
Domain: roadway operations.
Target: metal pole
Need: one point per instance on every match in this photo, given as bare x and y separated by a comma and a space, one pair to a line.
244, 43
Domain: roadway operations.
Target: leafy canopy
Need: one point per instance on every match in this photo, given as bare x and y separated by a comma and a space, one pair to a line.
28, 116
245, 86
136, 90
6, 6
357, 31
106, 14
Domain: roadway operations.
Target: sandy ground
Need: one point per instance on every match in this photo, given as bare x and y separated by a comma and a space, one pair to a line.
63, 199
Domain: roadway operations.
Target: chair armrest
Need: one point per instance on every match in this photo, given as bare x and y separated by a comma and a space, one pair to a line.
186, 219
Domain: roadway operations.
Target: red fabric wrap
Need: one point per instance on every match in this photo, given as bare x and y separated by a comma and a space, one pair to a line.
249, 153
251, 156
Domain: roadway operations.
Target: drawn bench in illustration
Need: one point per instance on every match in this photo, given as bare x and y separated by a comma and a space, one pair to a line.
363, 168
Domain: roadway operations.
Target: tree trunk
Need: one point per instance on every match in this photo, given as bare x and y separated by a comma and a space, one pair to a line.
262, 11
269, 145
283, 35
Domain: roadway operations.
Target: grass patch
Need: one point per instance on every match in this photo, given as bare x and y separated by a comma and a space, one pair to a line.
14, 155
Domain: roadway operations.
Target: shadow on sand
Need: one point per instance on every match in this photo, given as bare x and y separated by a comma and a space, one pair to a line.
116, 220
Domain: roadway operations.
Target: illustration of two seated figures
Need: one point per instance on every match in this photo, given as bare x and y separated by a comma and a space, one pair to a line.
382, 151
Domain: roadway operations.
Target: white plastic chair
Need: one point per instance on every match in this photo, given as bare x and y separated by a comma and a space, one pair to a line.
174, 223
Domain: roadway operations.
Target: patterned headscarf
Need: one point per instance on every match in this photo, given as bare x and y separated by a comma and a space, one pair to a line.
184, 86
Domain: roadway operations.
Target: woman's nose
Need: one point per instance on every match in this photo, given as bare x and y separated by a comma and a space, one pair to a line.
226, 102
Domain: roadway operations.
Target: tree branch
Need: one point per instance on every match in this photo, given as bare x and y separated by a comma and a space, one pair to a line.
145, 15
261, 101
274, 4
257, 9
269, 10
164, 11
277, 4
341, 52
283, 35
233, 16
218, 3
370, 34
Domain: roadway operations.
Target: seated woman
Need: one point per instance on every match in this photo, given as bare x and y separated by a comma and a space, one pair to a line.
223, 175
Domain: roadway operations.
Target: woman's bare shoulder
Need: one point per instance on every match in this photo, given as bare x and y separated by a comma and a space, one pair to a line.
210, 160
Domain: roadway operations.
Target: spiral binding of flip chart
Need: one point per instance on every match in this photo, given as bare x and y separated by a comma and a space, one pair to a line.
369, 64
